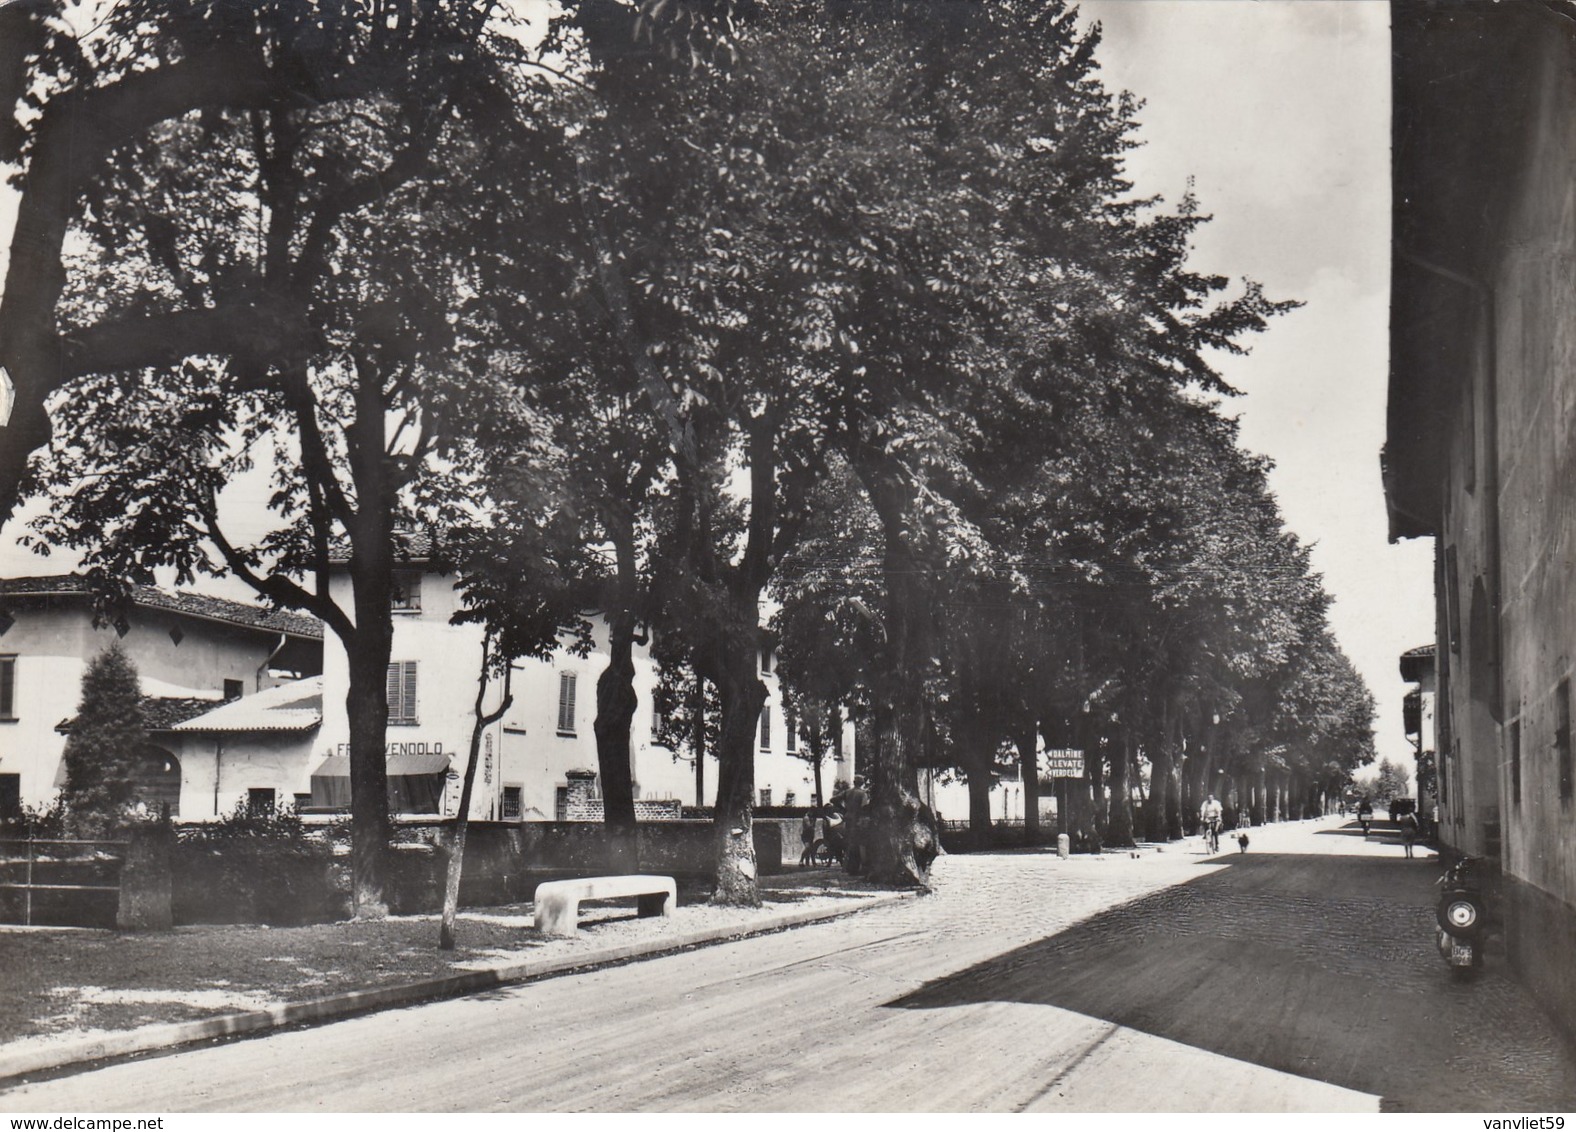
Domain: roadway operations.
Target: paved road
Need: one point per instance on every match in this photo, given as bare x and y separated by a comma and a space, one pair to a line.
1298, 976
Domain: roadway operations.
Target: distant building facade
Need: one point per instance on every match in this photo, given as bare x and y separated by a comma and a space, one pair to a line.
1481, 440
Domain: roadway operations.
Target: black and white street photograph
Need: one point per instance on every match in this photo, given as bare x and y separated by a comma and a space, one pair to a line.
567, 557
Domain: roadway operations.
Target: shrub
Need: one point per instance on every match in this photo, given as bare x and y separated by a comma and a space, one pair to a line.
257, 867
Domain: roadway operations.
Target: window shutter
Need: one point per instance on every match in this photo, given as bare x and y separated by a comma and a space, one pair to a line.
792, 724
566, 702
413, 590
401, 691
766, 727
7, 687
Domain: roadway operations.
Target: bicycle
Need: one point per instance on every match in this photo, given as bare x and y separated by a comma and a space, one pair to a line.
1212, 836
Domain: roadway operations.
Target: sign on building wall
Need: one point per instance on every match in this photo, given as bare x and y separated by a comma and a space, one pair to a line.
397, 749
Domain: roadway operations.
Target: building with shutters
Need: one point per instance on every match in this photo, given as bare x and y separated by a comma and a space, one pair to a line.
537, 756
246, 709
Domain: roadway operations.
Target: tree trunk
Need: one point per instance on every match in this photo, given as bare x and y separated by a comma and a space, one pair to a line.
1155, 828
1173, 775
699, 740
367, 711
616, 704
1094, 767
980, 820
899, 841
834, 722
616, 701
1029, 771
742, 695
462, 820
1119, 825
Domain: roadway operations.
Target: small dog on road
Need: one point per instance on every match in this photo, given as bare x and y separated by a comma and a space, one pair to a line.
1242, 842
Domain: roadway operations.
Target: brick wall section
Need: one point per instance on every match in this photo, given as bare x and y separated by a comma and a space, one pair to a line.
581, 805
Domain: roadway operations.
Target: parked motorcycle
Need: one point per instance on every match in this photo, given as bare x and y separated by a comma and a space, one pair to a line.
1462, 916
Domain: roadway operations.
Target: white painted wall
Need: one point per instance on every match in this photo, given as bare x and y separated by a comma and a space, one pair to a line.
218, 770
53, 644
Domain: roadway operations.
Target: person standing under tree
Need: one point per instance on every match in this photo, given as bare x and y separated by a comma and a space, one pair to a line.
854, 803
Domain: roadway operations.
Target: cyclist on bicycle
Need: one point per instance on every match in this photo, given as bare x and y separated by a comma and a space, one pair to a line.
1210, 814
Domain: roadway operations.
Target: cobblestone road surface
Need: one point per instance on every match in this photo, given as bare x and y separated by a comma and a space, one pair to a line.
1297, 976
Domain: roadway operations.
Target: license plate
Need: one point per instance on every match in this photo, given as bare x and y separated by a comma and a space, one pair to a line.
1460, 953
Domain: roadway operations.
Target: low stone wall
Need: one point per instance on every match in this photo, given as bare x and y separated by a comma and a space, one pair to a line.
242, 880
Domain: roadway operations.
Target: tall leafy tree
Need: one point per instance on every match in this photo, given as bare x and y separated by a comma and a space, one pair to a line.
77, 94
378, 221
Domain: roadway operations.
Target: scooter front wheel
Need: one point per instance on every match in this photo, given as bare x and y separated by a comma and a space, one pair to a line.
1461, 914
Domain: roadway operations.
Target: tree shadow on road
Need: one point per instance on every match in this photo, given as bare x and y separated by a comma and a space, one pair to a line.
1320, 966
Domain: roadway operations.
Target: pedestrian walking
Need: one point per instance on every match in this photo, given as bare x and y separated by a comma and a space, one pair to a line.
1409, 831
810, 833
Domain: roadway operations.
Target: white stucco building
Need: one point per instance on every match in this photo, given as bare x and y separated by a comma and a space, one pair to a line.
528, 754
192, 653
246, 707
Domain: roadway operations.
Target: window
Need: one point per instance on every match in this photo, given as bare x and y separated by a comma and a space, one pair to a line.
1562, 738
234, 689
791, 723
766, 727
406, 592
566, 703
7, 687
766, 660
512, 803
259, 802
302, 801
402, 693
1515, 762
789, 798
766, 795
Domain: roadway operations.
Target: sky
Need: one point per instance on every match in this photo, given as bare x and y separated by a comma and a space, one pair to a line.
1279, 112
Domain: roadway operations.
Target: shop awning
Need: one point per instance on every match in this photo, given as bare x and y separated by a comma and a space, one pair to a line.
338, 766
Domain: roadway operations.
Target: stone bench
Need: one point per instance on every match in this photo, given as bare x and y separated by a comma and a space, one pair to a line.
558, 901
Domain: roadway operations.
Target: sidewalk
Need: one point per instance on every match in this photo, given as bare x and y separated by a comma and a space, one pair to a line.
77, 995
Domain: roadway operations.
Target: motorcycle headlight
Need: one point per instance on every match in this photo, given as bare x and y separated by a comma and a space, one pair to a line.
1462, 914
